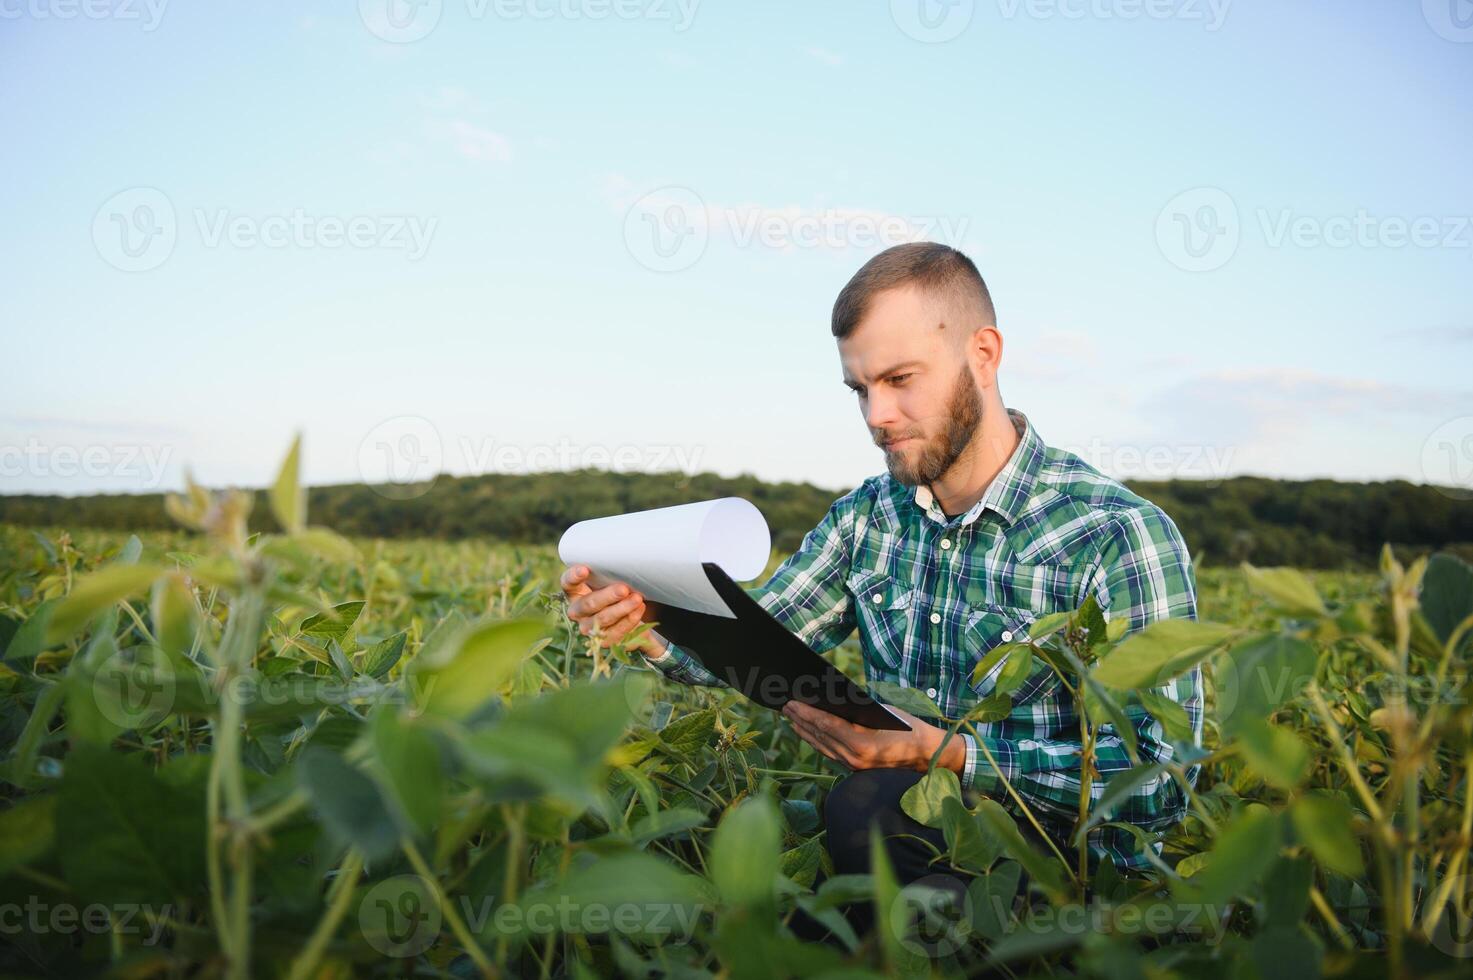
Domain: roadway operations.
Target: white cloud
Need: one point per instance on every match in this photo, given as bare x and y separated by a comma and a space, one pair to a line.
824, 56
478, 143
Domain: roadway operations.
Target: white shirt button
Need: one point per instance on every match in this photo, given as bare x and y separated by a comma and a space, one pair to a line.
945, 543
1027, 743
1007, 636
877, 597
935, 617
930, 692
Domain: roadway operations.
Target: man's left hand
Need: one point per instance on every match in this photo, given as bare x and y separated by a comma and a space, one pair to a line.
869, 748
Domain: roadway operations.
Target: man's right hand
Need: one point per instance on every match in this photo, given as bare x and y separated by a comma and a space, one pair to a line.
615, 609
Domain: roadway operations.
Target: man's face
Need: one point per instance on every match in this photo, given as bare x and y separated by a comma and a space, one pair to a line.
914, 384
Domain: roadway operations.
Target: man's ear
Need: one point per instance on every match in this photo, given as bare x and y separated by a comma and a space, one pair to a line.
985, 354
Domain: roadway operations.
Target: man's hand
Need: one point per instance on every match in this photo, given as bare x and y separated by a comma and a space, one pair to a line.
869, 748
615, 609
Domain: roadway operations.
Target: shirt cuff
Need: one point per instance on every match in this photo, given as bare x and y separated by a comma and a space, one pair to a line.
978, 773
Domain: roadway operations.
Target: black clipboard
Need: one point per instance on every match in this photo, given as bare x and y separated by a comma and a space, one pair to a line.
758, 657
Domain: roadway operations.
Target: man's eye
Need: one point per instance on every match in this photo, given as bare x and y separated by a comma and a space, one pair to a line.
899, 379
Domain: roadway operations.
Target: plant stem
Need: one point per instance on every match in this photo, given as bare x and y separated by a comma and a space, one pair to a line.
447, 909
339, 896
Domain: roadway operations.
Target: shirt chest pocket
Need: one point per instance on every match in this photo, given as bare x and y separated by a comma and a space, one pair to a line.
1004, 611
882, 610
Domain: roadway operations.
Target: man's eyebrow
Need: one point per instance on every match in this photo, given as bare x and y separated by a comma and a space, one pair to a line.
849, 383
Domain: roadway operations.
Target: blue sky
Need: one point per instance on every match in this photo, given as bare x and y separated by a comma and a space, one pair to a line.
495, 235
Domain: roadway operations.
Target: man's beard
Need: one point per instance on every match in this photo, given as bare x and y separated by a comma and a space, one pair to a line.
963, 414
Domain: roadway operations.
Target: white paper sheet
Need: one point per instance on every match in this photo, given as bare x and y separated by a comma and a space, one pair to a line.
659, 552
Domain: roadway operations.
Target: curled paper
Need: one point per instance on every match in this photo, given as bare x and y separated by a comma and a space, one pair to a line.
660, 552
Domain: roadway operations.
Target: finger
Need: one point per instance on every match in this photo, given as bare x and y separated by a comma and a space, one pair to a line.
618, 611
592, 603
825, 745
574, 580
619, 630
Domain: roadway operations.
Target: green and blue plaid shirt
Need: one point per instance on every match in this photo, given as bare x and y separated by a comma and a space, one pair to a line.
930, 595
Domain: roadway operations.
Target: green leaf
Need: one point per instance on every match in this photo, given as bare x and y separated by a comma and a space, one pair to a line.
902, 959
1286, 890
1045, 871
175, 617
990, 660
1016, 670
1287, 588
335, 623
30, 637
1277, 754
92, 594
924, 800
745, 858
1447, 594
992, 898
906, 699
1322, 823
666, 823
380, 658
1258, 675
1118, 788
288, 498
471, 670
131, 837
348, 802
1242, 853
969, 844
629, 894
688, 734
556, 743
994, 707
410, 762
1159, 653
1170, 713
27, 832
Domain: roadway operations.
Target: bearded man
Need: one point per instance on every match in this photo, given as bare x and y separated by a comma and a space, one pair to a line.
976, 530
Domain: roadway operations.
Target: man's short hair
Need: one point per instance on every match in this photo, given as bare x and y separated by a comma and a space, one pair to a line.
938, 269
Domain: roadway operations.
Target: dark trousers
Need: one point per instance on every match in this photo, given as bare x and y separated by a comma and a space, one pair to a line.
871, 798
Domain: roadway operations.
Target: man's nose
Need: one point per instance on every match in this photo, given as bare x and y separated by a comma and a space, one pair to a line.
880, 413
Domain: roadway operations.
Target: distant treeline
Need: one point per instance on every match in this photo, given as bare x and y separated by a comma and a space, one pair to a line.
1310, 524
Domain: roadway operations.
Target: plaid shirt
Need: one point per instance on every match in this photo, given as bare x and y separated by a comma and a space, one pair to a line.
930, 595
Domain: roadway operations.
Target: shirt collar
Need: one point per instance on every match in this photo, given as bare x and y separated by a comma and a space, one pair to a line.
1010, 489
